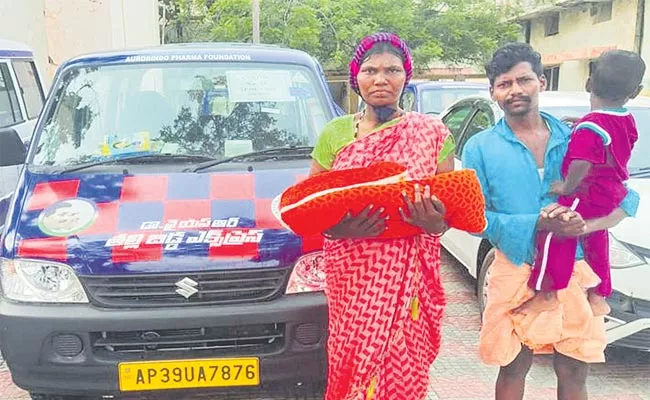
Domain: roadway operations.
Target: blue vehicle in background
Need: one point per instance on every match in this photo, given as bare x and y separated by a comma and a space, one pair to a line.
141, 254
433, 97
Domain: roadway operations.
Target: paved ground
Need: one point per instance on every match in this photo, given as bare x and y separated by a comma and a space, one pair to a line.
458, 374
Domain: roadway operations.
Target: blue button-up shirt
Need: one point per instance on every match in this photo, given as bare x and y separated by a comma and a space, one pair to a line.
513, 189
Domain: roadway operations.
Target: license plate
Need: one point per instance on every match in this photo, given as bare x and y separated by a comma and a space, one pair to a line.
188, 374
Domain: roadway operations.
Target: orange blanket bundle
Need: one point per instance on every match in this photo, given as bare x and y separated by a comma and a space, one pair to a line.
320, 202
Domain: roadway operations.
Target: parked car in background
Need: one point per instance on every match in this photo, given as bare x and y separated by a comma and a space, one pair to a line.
21, 99
433, 97
628, 325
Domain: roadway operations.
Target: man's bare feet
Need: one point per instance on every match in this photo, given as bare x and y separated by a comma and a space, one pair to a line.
598, 304
542, 301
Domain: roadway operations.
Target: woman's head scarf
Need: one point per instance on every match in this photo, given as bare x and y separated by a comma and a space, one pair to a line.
367, 43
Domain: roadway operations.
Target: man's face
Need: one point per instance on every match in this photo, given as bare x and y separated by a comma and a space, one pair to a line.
63, 219
517, 91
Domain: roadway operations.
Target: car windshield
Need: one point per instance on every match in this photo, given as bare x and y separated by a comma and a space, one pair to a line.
434, 101
215, 110
641, 150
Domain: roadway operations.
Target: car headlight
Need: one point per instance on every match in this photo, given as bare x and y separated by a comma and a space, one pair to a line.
620, 256
36, 281
308, 274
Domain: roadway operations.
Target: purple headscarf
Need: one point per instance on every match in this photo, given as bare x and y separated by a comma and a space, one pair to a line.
367, 43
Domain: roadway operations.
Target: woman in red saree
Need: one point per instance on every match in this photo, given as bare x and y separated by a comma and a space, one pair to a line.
385, 295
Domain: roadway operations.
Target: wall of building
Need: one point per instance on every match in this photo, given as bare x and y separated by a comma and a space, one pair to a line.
580, 39
645, 48
24, 21
81, 26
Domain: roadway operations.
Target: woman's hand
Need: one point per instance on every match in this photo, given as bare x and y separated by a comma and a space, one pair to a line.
364, 225
427, 212
561, 220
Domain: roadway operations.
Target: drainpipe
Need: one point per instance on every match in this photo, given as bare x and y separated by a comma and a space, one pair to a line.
640, 22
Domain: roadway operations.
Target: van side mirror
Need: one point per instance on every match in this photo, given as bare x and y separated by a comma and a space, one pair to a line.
12, 148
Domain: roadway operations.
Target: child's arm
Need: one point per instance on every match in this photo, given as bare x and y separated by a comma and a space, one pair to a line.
578, 170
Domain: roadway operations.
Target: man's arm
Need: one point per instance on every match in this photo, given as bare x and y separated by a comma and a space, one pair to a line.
505, 231
628, 208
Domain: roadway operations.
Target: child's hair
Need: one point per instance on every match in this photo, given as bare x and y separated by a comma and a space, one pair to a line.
617, 74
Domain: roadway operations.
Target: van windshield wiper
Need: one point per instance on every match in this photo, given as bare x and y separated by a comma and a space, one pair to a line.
276, 152
149, 158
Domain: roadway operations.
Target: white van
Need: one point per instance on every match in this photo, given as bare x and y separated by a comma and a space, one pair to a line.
21, 98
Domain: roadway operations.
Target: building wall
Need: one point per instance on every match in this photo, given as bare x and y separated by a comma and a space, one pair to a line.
581, 40
81, 26
24, 21
645, 48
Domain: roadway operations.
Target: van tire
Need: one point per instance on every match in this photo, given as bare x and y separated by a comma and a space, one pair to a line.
482, 280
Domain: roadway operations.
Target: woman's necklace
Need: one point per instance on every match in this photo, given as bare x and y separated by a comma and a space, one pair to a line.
363, 114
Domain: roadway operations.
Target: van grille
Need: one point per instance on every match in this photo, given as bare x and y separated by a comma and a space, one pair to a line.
185, 289
230, 340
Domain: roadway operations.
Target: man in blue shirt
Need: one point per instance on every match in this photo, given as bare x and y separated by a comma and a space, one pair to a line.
516, 161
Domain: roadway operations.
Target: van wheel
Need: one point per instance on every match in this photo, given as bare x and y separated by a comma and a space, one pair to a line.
483, 280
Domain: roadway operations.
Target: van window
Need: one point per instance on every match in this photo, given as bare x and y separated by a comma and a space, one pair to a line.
9, 109
206, 109
30, 87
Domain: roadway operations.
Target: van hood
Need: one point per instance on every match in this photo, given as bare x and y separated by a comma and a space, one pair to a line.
127, 224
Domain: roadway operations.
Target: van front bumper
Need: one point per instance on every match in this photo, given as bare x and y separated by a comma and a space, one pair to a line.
76, 349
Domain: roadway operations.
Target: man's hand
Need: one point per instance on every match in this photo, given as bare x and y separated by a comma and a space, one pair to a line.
561, 220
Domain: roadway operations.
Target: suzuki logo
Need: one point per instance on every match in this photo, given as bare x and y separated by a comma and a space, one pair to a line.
187, 287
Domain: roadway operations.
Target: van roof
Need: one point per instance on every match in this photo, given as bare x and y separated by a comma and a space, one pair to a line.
13, 49
215, 52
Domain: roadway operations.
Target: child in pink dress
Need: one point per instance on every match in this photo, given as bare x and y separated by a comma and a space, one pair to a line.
594, 172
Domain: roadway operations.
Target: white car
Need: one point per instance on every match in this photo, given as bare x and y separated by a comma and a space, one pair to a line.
628, 325
21, 98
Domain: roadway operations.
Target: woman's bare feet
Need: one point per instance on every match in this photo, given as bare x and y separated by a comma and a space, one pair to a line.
598, 304
542, 301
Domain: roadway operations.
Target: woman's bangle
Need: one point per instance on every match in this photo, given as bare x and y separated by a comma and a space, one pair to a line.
446, 228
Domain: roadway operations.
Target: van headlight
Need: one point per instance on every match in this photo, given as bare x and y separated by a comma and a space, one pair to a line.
621, 256
33, 281
308, 274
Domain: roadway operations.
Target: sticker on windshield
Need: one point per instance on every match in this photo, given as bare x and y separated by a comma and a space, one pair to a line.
67, 217
137, 143
250, 86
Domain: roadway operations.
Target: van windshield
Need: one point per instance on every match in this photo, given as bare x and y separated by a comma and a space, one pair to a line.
216, 110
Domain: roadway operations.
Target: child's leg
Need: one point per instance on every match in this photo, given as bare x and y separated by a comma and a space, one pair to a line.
596, 248
554, 261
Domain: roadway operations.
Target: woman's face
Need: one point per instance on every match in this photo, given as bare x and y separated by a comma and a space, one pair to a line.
381, 80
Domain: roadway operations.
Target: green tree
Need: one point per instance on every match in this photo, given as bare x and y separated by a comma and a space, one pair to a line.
452, 31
